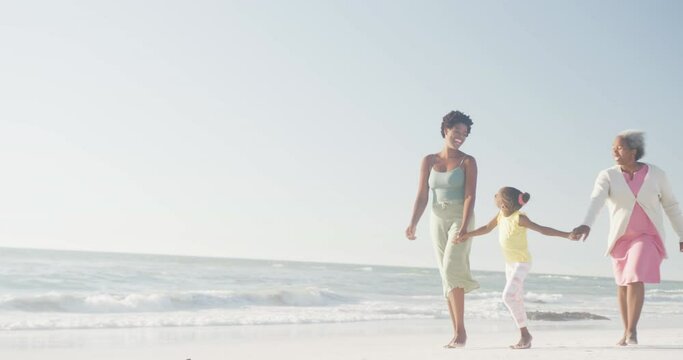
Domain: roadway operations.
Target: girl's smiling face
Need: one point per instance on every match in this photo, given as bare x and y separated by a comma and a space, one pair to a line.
498, 199
456, 136
501, 204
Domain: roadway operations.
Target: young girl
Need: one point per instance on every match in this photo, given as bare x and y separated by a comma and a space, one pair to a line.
512, 226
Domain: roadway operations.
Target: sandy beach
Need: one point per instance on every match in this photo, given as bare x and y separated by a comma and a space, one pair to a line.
394, 340
123, 306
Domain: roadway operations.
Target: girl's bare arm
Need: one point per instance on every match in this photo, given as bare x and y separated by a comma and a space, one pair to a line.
545, 230
477, 232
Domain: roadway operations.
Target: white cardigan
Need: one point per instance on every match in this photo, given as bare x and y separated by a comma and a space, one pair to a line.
654, 195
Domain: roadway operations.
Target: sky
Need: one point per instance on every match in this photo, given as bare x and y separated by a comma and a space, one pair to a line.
294, 130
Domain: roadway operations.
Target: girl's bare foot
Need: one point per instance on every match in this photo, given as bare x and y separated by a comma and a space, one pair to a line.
524, 343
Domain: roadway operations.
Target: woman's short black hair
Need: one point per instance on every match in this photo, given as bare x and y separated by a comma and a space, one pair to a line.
455, 117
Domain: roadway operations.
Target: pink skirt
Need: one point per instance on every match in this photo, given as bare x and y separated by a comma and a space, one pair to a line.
636, 259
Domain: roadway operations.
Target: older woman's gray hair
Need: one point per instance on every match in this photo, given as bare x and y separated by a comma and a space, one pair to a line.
635, 140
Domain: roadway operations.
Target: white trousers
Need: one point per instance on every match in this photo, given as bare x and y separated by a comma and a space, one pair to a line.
513, 294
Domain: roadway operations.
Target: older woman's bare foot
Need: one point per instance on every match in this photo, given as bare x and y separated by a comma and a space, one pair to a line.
622, 341
457, 342
632, 338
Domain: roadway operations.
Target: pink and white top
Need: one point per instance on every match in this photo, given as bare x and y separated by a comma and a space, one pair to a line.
638, 253
639, 223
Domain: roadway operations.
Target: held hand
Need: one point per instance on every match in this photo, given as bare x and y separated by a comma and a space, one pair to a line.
410, 232
580, 232
460, 237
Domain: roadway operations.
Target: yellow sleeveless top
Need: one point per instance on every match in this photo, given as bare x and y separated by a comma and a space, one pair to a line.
512, 238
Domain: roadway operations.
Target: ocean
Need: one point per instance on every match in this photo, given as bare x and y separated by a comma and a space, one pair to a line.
49, 290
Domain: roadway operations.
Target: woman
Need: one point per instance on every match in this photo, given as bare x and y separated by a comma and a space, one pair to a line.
452, 177
636, 192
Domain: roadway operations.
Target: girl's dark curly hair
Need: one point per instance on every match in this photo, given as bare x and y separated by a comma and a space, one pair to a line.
455, 117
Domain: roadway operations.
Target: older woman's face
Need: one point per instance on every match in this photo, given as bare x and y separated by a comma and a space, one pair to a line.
621, 152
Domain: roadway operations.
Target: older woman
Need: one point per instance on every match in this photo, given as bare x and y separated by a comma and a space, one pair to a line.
635, 192
452, 177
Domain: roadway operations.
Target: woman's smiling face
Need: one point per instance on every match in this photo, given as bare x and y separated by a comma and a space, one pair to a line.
456, 136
